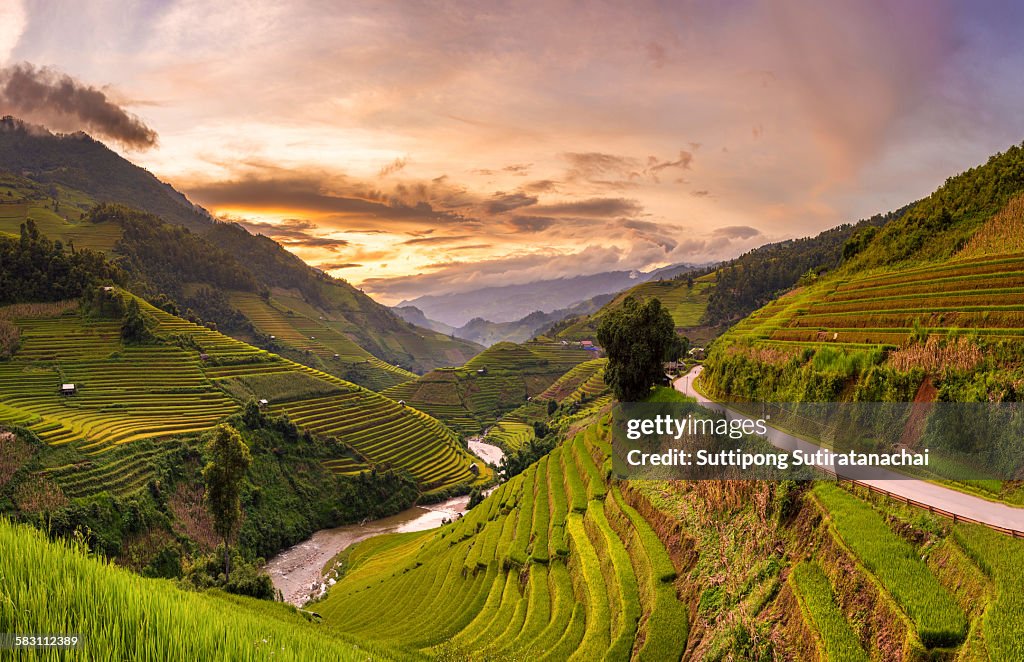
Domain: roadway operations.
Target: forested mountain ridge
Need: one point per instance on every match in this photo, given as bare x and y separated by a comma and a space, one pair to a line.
78, 161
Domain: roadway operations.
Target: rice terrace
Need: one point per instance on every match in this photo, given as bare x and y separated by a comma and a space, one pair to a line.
437, 331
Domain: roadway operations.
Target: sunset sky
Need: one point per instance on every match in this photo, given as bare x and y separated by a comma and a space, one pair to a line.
419, 147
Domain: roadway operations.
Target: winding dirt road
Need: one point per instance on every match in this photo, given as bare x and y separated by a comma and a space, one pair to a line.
923, 492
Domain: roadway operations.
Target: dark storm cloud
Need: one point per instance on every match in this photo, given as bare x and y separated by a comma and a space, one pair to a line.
593, 207
294, 232
502, 202
62, 103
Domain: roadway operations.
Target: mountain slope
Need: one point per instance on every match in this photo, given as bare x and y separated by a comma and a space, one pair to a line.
933, 298
498, 380
414, 315
183, 378
77, 161
60, 180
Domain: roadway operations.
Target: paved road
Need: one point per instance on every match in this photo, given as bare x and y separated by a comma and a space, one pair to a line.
943, 498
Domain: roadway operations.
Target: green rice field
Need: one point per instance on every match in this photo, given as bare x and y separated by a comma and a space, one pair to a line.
194, 378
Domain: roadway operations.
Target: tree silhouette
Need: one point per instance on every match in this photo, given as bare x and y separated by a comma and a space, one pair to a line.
636, 339
229, 459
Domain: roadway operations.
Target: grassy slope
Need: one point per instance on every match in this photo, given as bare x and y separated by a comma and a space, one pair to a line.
22, 199
133, 392
469, 400
54, 588
686, 305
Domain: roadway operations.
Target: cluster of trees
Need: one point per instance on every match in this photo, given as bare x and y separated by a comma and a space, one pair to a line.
160, 258
33, 268
268, 260
939, 225
166, 255
638, 338
516, 463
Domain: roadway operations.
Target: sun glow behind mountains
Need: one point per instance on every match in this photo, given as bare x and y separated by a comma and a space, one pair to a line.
440, 147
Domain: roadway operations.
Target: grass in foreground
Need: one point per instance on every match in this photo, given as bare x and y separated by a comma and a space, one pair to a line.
52, 588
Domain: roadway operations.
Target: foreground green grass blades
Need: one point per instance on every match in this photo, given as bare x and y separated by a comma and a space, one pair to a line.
52, 588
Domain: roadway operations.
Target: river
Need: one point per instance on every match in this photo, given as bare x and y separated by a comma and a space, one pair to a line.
298, 572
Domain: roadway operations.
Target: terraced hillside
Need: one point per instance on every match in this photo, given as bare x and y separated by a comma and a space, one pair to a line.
928, 307
563, 563
189, 378
981, 297
555, 563
319, 342
578, 391
686, 300
57, 211
496, 381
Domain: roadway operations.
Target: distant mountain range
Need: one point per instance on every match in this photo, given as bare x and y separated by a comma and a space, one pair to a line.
488, 333
511, 303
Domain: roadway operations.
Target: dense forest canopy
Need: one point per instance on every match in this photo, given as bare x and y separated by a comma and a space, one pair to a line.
33, 268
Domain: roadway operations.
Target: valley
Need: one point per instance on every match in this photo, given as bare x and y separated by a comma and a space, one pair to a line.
433, 497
